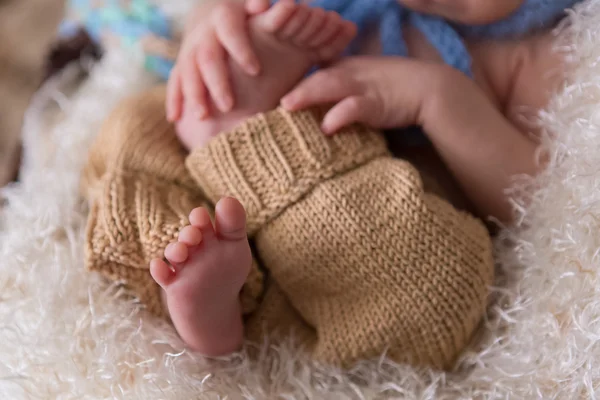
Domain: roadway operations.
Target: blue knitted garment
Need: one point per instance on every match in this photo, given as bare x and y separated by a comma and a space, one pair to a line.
390, 16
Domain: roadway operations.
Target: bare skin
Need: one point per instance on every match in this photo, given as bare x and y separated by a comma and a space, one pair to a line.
474, 12
210, 263
474, 125
289, 44
481, 129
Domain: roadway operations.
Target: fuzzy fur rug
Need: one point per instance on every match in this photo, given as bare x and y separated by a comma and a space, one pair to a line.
67, 334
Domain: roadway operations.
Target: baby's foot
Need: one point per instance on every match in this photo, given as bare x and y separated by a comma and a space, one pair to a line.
209, 266
289, 39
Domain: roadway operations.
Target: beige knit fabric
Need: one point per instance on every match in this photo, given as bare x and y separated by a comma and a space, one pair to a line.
367, 259
360, 259
140, 196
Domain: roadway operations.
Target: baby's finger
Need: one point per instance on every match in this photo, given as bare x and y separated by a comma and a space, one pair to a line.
325, 86
232, 32
256, 6
215, 72
174, 103
193, 87
348, 111
337, 46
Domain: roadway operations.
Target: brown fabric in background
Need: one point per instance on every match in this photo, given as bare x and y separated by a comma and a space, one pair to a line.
27, 31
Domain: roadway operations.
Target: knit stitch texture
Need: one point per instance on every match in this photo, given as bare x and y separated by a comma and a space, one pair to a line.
360, 258
140, 195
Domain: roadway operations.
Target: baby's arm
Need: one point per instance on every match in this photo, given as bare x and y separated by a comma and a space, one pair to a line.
473, 12
478, 144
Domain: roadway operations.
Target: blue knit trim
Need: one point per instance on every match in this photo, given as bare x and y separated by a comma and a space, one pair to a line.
445, 37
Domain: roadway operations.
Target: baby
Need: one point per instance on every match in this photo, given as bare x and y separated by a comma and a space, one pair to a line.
476, 126
354, 253
514, 77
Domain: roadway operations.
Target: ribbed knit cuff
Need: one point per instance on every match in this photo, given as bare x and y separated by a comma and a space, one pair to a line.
133, 218
273, 159
140, 195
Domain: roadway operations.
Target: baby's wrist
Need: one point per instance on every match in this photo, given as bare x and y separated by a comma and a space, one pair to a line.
445, 88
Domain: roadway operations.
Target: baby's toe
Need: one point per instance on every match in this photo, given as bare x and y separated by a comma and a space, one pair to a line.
161, 272
176, 253
336, 44
312, 27
200, 218
190, 236
295, 23
330, 29
230, 219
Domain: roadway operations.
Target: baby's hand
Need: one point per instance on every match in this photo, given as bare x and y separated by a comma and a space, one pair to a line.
218, 31
473, 12
381, 92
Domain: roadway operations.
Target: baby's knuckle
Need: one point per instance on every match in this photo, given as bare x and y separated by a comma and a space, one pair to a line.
208, 53
246, 56
188, 48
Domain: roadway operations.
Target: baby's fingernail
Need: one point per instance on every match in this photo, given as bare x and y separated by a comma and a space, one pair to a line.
253, 67
200, 112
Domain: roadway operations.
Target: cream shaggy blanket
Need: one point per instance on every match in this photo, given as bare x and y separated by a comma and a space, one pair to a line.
67, 334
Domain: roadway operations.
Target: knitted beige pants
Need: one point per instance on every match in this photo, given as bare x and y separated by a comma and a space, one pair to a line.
359, 258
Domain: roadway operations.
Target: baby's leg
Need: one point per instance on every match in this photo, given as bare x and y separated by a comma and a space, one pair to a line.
289, 39
365, 257
139, 194
209, 265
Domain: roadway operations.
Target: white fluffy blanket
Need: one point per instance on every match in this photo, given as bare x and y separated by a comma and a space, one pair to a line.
65, 333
